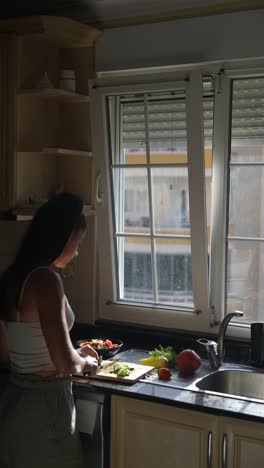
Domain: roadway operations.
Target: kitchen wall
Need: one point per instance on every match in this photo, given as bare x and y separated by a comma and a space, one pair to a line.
11, 235
209, 38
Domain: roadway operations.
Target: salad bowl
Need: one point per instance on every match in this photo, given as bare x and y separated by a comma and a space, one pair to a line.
104, 347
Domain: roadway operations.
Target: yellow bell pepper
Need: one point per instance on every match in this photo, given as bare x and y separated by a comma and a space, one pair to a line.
158, 362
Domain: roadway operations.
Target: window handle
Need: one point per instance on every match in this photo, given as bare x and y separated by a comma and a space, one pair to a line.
209, 449
98, 192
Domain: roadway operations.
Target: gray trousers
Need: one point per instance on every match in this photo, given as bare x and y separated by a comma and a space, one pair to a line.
37, 424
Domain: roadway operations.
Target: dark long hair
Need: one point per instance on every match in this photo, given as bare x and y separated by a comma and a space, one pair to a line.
44, 241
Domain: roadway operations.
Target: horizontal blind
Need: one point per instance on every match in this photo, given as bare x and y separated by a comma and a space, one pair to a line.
167, 124
248, 110
166, 117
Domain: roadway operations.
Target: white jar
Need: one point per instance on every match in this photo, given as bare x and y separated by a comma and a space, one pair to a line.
67, 80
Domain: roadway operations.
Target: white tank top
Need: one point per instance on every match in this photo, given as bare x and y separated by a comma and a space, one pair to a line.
27, 347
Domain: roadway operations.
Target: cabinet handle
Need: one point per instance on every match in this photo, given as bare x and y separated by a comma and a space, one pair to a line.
209, 450
224, 451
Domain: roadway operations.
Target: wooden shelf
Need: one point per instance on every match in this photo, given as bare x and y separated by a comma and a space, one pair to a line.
67, 152
54, 93
26, 213
58, 152
63, 31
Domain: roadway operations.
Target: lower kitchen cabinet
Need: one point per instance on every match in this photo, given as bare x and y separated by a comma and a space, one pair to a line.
242, 443
152, 435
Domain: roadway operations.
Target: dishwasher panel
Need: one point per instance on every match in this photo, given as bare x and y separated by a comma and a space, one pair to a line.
93, 422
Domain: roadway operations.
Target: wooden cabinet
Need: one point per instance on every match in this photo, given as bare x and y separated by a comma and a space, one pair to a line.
151, 435
242, 443
47, 145
7, 117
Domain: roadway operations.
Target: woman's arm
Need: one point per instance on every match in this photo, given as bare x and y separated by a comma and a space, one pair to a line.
48, 293
4, 354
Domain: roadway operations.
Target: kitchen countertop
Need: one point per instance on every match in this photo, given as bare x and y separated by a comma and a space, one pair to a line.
175, 393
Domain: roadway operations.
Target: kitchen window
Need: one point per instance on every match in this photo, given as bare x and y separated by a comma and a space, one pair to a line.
180, 227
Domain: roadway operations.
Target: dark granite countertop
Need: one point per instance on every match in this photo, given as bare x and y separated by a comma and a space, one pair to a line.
175, 392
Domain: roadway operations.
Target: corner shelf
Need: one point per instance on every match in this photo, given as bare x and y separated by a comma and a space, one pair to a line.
67, 152
54, 93
58, 152
63, 31
26, 213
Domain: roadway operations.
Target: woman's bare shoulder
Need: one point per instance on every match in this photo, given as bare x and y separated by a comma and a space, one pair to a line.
45, 279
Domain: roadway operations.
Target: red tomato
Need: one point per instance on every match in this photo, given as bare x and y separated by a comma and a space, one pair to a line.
108, 343
164, 373
188, 361
85, 343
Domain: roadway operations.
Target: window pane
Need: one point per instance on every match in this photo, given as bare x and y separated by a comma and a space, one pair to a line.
135, 269
208, 187
246, 206
245, 278
131, 199
152, 269
167, 131
249, 153
174, 269
248, 120
171, 200
133, 134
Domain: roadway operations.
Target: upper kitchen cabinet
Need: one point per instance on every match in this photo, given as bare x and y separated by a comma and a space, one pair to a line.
7, 117
45, 116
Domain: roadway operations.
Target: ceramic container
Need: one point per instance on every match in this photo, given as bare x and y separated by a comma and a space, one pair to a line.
67, 80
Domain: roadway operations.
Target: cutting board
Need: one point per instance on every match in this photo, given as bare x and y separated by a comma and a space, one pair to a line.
106, 374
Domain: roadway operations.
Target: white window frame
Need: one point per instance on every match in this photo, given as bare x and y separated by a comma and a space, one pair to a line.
108, 307
222, 139
212, 310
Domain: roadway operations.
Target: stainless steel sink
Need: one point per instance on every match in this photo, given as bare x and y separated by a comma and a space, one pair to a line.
244, 383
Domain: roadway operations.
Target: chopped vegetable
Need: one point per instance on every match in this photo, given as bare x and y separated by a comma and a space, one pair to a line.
99, 344
167, 352
100, 362
122, 370
159, 361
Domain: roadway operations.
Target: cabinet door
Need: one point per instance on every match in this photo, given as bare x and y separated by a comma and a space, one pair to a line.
150, 435
8, 50
241, 444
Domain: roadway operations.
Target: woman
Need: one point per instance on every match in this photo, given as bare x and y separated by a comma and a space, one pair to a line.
37, 411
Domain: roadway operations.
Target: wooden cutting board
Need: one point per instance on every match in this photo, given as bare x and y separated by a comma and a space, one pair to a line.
106, 374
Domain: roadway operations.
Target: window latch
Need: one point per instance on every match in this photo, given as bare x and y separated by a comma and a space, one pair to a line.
218, 82
98, 192
213, 320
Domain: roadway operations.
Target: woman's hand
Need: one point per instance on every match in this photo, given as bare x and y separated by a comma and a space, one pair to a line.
91, 357
91, 365
87, 350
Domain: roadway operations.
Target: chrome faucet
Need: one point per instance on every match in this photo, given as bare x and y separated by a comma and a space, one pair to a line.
215, 350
